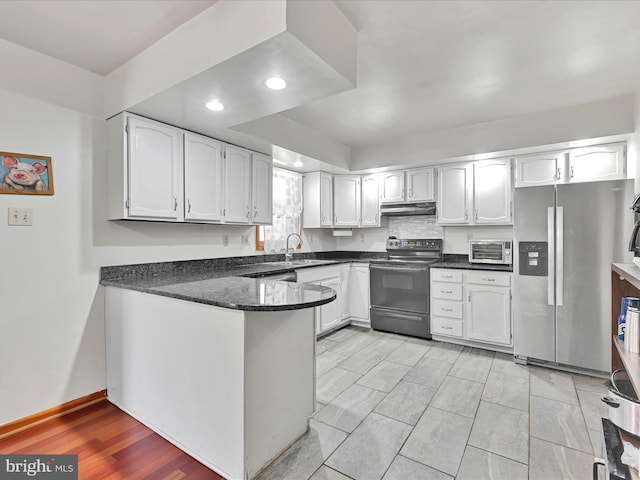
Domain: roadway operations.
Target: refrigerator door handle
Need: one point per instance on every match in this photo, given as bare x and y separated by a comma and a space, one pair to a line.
559, 256
551, 281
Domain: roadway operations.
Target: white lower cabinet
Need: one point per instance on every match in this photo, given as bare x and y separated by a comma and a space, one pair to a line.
359, 294
472, 306
329, 315
351, 283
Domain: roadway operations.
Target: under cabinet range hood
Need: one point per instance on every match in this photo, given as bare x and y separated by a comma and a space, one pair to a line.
423, 208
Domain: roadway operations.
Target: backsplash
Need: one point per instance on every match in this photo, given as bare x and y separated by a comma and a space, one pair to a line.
415, 226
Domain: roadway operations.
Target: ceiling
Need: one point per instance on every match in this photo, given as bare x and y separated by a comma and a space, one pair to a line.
423, 66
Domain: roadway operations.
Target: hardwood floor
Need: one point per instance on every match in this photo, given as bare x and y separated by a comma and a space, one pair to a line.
110, 445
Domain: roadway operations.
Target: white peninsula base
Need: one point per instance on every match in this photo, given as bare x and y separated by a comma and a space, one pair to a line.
231, 388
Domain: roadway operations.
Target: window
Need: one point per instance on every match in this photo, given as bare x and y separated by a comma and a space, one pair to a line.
287, 208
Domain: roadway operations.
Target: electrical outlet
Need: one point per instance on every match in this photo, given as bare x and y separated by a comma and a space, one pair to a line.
225, 240
245, 239
20, 216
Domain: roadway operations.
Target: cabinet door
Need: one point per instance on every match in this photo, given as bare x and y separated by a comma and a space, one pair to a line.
392, 187
330, 313
492, 192
488, 317
154, 166
326, 200
420, 185
454, 197
237, 185
359, 292
370, 207
544, 169
261, 189
202, 178
606, 162
346, 201
345, 292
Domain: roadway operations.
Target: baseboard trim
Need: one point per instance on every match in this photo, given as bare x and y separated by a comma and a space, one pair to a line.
51, 413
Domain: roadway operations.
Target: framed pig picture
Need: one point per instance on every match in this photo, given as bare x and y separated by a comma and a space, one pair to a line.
25, 174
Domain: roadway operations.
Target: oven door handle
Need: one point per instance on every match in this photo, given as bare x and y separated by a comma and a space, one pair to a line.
419, 268
404, 316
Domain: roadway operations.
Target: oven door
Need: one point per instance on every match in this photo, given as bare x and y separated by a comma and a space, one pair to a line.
402, 286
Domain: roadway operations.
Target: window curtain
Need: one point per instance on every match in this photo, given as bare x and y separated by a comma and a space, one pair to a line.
287, 209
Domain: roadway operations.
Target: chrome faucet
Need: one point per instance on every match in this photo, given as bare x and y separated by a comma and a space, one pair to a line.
289, 256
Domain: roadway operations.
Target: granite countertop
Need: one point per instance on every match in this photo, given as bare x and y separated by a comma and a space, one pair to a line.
240, 283
457, 261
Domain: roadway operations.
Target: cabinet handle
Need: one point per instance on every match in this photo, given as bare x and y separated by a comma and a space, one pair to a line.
571, 174
447, 309
188, 206
248, 212
558, 173
402, 193
447, 276
466, 216
376, 218
447, 291
447, 328
255, 213
411, 193
476, 215
224, 212
175, 203
488, 279
335, 219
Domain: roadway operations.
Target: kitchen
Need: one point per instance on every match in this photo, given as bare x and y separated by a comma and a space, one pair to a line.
54, 351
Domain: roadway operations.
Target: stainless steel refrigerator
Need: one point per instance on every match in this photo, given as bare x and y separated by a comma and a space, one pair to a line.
566, 237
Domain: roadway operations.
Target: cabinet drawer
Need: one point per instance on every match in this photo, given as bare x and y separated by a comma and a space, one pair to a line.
447, 291
446, 326
445, 308
489, 278
454, 276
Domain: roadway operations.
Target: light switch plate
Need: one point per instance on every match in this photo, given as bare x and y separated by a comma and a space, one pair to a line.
20, 216
225, 240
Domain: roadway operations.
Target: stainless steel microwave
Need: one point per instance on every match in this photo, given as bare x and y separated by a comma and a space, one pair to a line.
490, 251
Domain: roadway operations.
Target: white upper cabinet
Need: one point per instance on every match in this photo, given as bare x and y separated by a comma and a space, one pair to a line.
237, 185
492, 199
346, 201
536, 170
475, 193
454, 193
605, 162
392, 187
155, 163
158, 172
420, 185
317, 200
589, 164
370, 203
415, 185
202, 178
261, 189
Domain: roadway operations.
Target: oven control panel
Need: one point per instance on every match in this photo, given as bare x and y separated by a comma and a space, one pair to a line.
414, 244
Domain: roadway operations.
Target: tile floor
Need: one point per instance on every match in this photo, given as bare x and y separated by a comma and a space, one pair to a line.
397, 408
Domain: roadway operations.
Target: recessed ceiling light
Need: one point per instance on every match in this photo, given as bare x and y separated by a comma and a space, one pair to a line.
298, 164
276, 83
215, 105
